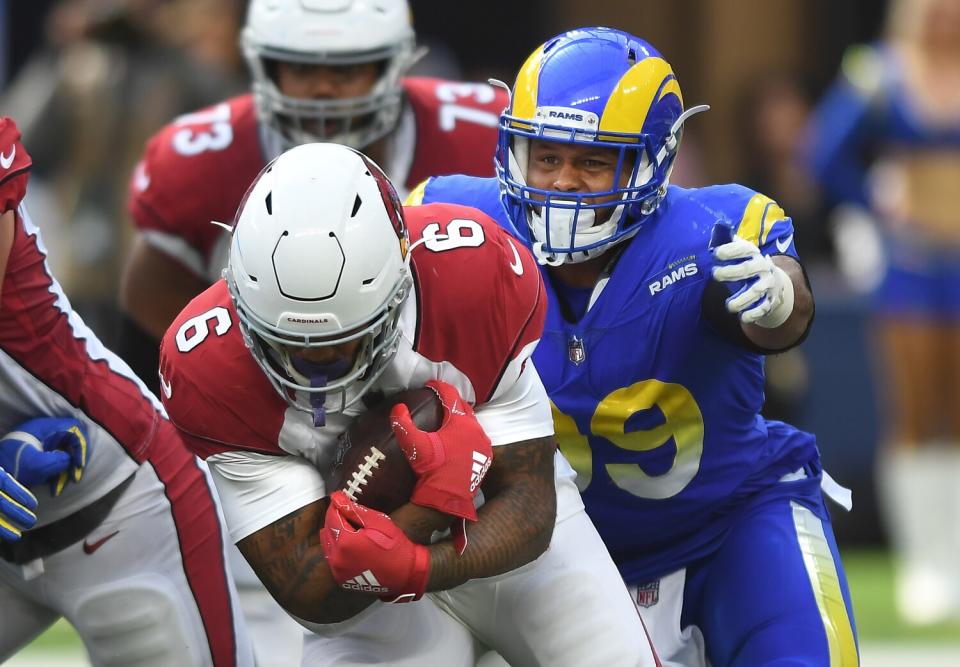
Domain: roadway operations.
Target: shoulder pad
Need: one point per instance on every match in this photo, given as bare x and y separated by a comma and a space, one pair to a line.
481, 300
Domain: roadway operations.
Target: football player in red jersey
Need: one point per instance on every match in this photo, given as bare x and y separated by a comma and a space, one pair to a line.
333, 297
133, 552
323, 70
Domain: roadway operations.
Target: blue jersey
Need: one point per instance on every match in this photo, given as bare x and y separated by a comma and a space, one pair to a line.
658, 413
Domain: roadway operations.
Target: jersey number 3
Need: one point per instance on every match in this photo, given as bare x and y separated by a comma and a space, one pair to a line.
204, 131
681, 427
451, 111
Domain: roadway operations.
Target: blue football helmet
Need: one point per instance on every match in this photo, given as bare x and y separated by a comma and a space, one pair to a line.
591, 86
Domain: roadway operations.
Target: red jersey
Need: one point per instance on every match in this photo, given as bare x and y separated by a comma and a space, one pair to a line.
197, 169
52, 364
474, 316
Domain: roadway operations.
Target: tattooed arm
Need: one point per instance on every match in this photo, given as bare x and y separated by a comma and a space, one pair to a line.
514, 527
515, 523
290, 562
287, 557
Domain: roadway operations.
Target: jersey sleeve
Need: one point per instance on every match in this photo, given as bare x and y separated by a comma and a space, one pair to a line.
481, 300
210, 385
456, 125
195, 171
479, 193
765, 224
519, 410
256, 489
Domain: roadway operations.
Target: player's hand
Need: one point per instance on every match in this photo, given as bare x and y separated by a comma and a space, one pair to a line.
369, 553
762, 292
46, 449
451, 462
17, 507
14, 166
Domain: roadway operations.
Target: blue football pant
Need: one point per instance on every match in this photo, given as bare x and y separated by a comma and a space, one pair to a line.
773, 594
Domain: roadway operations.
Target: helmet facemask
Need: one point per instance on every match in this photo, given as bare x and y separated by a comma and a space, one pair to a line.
564, 225
308, 386
356, 122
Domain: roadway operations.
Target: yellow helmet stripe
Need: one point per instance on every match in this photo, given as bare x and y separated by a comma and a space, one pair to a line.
524, 103
759, 217
649, 81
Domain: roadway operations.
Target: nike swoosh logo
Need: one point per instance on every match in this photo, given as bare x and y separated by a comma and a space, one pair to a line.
516, 264
783, 245
90, 547
167, 387
7, 160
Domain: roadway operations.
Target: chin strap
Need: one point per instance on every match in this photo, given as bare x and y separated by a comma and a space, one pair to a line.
317, 402
318, 378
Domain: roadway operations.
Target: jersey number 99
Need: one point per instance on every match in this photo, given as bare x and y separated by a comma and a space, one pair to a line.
682, 424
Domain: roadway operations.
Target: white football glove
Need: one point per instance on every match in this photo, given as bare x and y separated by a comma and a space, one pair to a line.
766, 295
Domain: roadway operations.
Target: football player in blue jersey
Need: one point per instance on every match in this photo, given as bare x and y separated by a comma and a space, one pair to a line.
663, 301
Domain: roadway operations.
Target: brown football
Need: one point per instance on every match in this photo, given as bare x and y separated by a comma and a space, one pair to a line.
370, 466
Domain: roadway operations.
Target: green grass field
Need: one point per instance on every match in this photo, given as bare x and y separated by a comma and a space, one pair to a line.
870, 574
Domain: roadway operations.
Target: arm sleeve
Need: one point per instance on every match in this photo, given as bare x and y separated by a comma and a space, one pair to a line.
519, 410
257, 489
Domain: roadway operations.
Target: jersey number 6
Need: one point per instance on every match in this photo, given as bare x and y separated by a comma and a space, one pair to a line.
460, 233
195, 330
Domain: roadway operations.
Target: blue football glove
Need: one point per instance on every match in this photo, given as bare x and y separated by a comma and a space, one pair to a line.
16, 508
45, 449
761, 292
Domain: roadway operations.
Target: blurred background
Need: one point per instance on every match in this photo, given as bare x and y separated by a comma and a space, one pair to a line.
89, 80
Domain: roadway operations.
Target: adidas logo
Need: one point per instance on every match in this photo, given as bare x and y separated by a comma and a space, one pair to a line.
481, 464
364, 582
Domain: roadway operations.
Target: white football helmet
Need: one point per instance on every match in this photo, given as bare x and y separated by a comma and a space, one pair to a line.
329, 32
318, 258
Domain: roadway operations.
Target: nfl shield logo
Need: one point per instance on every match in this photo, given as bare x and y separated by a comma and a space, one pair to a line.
575, 350
648, 594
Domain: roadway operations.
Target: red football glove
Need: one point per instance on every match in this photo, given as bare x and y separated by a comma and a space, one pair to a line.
368, 552
14, 166
451, 462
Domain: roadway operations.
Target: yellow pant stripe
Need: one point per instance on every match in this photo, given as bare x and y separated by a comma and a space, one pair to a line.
826, 587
